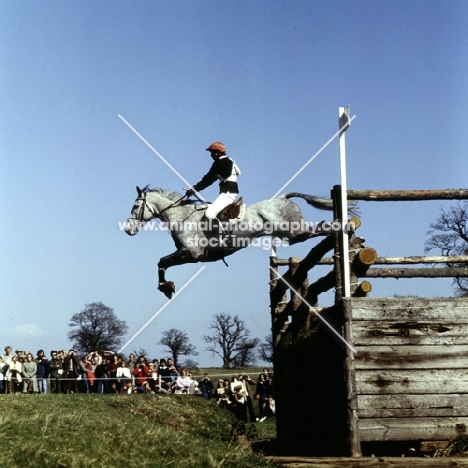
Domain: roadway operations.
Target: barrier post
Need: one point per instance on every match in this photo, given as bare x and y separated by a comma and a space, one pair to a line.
344, 122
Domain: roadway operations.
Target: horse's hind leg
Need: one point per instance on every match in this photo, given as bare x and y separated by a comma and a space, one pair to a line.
179, 257
314, 230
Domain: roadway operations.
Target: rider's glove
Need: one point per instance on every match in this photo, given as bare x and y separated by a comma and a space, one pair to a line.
189, 192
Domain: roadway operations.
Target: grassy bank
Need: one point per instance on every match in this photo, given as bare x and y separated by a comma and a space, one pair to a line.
124, 431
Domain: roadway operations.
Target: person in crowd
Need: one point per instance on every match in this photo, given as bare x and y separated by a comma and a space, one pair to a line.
219, 390
95, 358
182, 384
113, 366
106, 354
20, 355
131, 366
63, 381
29, 375
239, 397
42, 363
166, 376
113, 387
55, 371
103, 383
152, 375
174, 372
249, 383
126, 387
7, 356
224, 396
13, 375
159, 389
206, 387
155, 374
71, 368
141, 373
2, 375
88, 378
270, 409
263, 390
123, 374
193, 388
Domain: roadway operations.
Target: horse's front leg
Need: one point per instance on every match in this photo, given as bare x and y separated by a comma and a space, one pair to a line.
179, 257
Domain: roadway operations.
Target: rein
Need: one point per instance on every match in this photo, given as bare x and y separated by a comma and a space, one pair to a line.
141, 212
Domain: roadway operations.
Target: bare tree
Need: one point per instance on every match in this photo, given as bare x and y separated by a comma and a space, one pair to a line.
139, 352
230, 340
246, 353
449, 234
265, 352
190, 365
177, 343
96, 328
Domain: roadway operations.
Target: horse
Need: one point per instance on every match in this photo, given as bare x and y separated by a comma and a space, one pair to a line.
183, 217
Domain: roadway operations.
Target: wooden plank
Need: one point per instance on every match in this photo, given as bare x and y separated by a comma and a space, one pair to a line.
415, 332
351, 397
414, 260
410, 406
410, 260
407, 195
413, 381
407, 308
452, 272
411, 357
388, 429
369, 462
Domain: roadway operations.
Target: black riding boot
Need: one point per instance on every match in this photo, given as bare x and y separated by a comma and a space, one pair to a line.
218, 239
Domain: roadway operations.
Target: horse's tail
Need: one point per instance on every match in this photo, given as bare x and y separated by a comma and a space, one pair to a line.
316, 202
319, 203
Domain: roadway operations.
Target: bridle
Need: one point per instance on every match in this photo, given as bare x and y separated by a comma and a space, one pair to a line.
145, 205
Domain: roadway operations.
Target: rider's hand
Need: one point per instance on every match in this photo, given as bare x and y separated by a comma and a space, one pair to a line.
189, 192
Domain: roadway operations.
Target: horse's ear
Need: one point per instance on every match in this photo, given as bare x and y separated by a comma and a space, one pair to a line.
139, 190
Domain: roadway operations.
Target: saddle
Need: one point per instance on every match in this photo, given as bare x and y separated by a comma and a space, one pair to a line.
233, 211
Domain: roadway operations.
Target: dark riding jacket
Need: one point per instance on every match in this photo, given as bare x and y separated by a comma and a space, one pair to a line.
223, 169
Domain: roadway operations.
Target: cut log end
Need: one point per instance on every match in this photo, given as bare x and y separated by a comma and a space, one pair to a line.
366, 256
363, 289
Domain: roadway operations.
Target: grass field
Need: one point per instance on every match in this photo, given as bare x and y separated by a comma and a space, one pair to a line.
80, 430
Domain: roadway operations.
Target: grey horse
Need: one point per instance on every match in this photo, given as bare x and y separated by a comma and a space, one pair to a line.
279, 218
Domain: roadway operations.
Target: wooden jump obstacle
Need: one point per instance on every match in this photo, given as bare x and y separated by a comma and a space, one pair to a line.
386, 373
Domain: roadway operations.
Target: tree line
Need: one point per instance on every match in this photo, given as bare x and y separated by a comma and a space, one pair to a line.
97, 328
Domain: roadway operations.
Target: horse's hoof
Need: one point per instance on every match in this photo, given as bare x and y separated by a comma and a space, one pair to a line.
168, 288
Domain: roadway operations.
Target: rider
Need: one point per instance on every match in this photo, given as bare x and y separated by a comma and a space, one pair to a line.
226, 171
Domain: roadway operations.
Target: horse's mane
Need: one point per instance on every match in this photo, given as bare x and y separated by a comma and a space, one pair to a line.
171, 194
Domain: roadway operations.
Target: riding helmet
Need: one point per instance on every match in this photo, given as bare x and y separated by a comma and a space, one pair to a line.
217, 146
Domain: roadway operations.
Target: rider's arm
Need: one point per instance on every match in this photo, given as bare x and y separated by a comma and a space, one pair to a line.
209, 178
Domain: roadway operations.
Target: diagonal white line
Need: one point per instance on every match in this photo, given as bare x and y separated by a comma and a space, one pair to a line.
167, 163
312, 158
314, 310
161, 309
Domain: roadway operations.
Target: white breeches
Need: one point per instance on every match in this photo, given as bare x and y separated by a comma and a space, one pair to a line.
223, 200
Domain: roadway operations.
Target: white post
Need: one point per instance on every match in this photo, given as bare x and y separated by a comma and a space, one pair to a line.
344, 122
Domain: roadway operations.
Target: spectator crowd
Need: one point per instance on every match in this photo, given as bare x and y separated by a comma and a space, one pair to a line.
65, 372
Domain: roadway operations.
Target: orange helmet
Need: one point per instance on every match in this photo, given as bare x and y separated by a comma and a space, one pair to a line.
217, 146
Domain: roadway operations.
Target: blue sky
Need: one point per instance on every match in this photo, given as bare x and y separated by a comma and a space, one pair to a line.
267, 79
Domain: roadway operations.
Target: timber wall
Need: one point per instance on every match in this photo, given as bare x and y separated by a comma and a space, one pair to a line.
403, 375
410, 367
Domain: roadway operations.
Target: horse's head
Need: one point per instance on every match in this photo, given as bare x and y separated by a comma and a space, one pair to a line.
142, 212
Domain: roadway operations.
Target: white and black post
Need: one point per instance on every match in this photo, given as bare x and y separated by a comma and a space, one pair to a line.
344, 123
